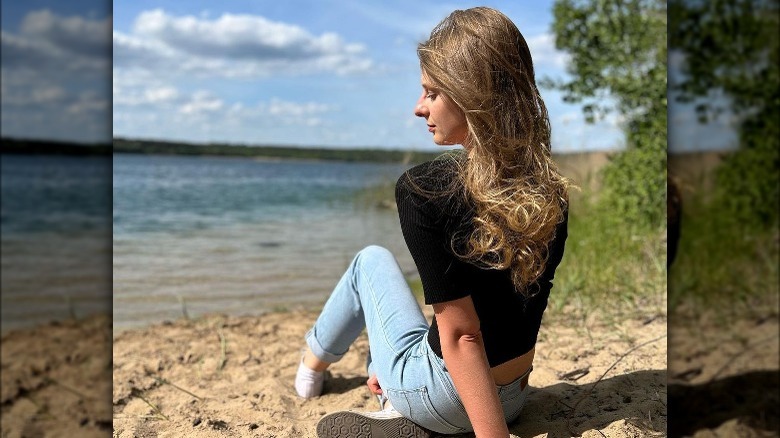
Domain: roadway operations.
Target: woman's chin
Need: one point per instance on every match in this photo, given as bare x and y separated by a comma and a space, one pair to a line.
445, 142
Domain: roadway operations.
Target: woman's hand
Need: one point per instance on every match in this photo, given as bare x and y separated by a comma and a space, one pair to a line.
373, 385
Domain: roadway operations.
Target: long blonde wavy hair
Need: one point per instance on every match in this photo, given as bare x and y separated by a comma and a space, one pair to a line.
478, 59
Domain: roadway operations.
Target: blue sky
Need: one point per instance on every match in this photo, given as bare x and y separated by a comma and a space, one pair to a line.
332, 73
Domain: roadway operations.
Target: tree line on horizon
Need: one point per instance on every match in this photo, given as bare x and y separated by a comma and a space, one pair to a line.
158, 147
123, 145
162, 147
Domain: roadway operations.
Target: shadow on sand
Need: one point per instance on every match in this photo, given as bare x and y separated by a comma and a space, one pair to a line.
753, 398
639, 398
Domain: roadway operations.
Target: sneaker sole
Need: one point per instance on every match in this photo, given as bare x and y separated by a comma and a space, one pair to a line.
356, 425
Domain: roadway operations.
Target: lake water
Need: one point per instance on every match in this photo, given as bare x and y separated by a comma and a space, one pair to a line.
151, 237
55, 233
238, 235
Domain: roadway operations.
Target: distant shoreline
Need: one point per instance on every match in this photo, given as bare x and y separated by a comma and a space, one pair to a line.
52, 147
156, 147
269, 151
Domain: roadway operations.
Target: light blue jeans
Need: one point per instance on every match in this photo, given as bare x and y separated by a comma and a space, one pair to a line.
373, 293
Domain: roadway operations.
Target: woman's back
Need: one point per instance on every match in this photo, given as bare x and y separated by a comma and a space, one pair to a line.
433, 211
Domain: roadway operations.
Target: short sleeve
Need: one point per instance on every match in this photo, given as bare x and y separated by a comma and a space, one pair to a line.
424, 221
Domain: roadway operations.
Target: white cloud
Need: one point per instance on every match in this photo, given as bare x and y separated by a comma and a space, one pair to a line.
570, 117
203, 114
161, 94
46, 94
74, 35
233, 45
54, 73
279, 107
152, 95
140, 54
47, 42
22, 53
90, 104
545, 54
202, 102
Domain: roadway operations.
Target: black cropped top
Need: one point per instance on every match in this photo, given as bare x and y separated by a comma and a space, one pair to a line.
431, 212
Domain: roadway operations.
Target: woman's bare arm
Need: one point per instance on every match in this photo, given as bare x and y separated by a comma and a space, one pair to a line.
465, 358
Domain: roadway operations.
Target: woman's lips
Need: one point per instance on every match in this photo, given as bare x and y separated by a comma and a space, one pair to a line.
431, 128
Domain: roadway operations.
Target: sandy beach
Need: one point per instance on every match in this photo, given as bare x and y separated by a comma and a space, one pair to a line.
56, 379
222, 375
724, 374
232, 376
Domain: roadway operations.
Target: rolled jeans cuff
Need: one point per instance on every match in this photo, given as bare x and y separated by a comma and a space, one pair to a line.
320, 352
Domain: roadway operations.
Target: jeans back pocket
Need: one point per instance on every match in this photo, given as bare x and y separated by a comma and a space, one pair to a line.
417, 406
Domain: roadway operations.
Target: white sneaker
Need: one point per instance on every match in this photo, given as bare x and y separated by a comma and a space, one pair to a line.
381, 424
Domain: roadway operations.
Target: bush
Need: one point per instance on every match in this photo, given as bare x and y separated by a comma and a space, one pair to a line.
748, 181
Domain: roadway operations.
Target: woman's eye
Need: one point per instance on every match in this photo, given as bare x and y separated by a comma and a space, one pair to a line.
431, 96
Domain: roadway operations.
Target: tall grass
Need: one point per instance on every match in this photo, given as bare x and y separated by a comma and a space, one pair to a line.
723, 265
608, 265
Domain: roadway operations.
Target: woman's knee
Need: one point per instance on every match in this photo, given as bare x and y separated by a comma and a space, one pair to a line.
375, 253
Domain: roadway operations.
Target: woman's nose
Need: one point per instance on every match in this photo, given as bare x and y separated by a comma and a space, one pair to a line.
419, 108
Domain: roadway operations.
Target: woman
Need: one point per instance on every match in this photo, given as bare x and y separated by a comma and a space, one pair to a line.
486, 229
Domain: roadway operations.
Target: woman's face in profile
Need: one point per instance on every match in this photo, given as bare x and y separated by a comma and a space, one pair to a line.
445, 121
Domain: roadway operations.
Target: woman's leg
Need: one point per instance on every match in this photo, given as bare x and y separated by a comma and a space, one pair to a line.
372, 294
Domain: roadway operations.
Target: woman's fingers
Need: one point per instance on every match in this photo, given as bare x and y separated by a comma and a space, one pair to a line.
373, 384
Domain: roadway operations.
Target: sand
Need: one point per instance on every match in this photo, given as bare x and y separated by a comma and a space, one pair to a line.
219, 376
56, 379
232, 376
724, 374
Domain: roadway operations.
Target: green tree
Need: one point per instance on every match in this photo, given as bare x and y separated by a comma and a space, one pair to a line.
618, 54
731, 47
